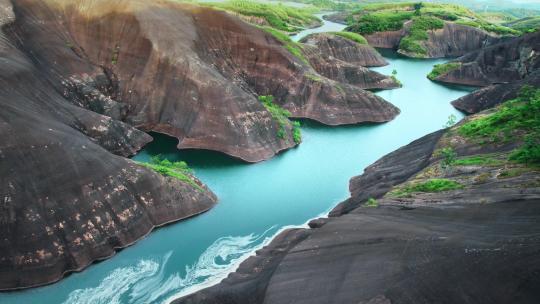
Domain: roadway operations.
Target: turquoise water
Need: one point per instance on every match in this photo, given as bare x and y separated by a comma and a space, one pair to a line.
327, 26
256, 200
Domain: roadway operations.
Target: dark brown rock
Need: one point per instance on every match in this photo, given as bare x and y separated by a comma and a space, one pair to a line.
482, 240
346, 50
451, 41
118, 58
505, 62
493, 95
65, 199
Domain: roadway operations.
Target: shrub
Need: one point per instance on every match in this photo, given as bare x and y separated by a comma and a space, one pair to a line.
442, 69
430, 186
480, 160
296, 132
281, 116
178, 170
371, 202
380, 22
448, 157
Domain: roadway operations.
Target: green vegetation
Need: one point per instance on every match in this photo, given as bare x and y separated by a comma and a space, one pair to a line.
371, 202
488, 27
380, 22
425, 16
442, 69
296, 133
448, 157
313, 77
115, 54
394, 77
526, 25
281, 116
452, 119
418, 33
278, 16
478, 160
352, 36
291, 46
513, 119
178, 170
430, 186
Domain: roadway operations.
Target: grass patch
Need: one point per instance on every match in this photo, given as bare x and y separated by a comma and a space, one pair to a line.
281, 116
515, 118
526, 25
371, 202
278, 16
313, 77
178, 170
291, 46
352, 36
478, 160
442, 69
429, 186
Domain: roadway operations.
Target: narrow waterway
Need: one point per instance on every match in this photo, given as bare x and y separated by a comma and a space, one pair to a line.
256, 200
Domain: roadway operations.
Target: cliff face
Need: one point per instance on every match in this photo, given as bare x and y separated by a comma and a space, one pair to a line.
480, 238
118, 58
508, 61
493, 95
346, 61
345, 49
66, 199
451, 41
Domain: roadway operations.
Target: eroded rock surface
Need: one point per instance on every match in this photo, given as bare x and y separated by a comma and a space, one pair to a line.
481, 239
451, 41
346, 61
183, 70
505, 62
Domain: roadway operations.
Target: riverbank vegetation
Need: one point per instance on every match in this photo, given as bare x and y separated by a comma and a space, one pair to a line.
442, 69
281, 116
179, 170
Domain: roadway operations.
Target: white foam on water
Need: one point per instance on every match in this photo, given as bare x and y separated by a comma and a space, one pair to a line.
225, 270
146, 282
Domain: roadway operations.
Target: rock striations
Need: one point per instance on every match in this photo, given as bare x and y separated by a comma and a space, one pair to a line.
81, 82
502, 69
346, 61
480, 236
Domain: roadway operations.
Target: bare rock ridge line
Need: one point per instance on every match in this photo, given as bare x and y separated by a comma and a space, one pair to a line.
409, 249
81, 82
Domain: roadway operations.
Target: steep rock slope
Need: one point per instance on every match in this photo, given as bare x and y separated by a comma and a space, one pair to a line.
508, 61
493, 95
66, 199
128, 50
451, 41
346, 61
479, 236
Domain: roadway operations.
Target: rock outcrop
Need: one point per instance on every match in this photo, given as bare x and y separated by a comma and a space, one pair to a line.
66, 200
452, 40
481, 238
505, 62
119, 58
493, 95
346, 61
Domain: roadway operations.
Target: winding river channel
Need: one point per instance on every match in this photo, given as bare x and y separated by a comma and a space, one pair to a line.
256, 201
